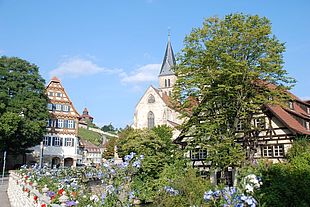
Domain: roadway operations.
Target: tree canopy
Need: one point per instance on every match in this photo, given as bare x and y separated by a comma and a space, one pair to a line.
231, 67
23, 105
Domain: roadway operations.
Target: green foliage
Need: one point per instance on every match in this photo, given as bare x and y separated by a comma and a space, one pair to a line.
109, 152
23, 105
157, 147
93, 137
109, 128
288, 183
191, 187
226, 66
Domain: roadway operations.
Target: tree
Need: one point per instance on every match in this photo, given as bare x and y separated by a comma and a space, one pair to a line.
109, 128
158, 150
23, 105
231, 67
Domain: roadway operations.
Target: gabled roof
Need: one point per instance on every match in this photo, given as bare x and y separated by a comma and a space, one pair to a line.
169, 60
57, 80
90, 147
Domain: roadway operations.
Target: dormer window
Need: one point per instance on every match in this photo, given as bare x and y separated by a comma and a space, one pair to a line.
151, 99
291, 105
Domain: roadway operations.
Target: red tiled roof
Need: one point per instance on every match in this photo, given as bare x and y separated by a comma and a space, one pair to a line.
55, 79
90, 147
287, 119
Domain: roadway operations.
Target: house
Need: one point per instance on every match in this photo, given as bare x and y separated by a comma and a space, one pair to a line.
85, 117
60, 146
92, 155
273, 132
155, 108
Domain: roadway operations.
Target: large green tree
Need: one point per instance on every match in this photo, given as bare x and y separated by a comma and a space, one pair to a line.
23, 105
231, 67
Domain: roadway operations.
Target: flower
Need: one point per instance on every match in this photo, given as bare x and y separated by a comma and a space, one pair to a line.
171, 191
71, 203
94, 198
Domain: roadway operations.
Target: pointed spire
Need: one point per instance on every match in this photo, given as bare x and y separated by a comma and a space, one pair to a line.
55, 79
169, 59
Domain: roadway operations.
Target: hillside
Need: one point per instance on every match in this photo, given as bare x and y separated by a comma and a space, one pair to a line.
93, 137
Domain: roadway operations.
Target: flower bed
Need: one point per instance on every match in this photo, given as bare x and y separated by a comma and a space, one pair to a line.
108, 185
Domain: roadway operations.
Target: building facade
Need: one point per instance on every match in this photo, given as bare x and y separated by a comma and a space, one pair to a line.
154, 107
60, 144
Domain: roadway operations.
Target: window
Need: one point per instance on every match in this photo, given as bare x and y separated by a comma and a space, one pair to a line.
70, 124
58, 94
50, 123
50, 106
150, 120
66, 108
308, 110
60, 123
259, 123
267, 151
291, 105
47, 141
239, 126
58, 107
168, 82
278, 151
165, 82
307, 125
151, 99
50, 93
57, 141
69, 142
198, 154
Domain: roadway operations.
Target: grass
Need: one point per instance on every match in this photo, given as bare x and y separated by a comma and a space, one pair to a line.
91, 136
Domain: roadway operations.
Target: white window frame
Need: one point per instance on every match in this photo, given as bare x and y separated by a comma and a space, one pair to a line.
259, 122
50, 94
60, 123
239, 126
65, 108
58, 94
58, 107
278, 151
45, 141
69, 142
267, 151
56, 141
71, 124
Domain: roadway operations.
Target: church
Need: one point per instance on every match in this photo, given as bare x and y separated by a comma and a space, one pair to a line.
154, 107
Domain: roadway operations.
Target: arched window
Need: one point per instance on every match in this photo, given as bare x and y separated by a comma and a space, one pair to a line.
168, 82
165, 82
151, 99
150, 120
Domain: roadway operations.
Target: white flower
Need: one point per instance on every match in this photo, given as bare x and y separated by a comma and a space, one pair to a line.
94, 198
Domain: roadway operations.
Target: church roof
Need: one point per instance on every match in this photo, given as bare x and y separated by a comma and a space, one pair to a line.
169, 60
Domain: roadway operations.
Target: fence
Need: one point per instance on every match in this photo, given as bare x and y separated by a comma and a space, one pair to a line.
23, 193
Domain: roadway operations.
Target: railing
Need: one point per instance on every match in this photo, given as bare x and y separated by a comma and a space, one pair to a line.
22, 193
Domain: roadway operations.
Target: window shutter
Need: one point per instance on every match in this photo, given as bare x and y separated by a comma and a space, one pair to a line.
72, 145
73, 124
49, 141
68, 108
60, 141
53, 144
56, 123
65, 123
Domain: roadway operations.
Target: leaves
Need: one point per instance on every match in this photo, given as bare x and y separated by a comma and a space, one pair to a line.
227, 65
23, 108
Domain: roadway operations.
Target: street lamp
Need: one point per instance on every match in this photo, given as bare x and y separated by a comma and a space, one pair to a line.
41, 153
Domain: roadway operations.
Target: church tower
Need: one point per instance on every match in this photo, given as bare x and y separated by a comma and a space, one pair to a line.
167, 77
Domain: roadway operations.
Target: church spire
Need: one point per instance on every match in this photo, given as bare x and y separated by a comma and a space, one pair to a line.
169, 60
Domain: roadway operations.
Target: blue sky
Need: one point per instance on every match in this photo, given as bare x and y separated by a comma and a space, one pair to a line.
107, 53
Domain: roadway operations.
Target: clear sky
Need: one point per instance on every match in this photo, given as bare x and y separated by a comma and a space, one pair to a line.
107, 52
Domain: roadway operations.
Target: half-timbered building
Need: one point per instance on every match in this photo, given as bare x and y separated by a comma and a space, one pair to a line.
60, 144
